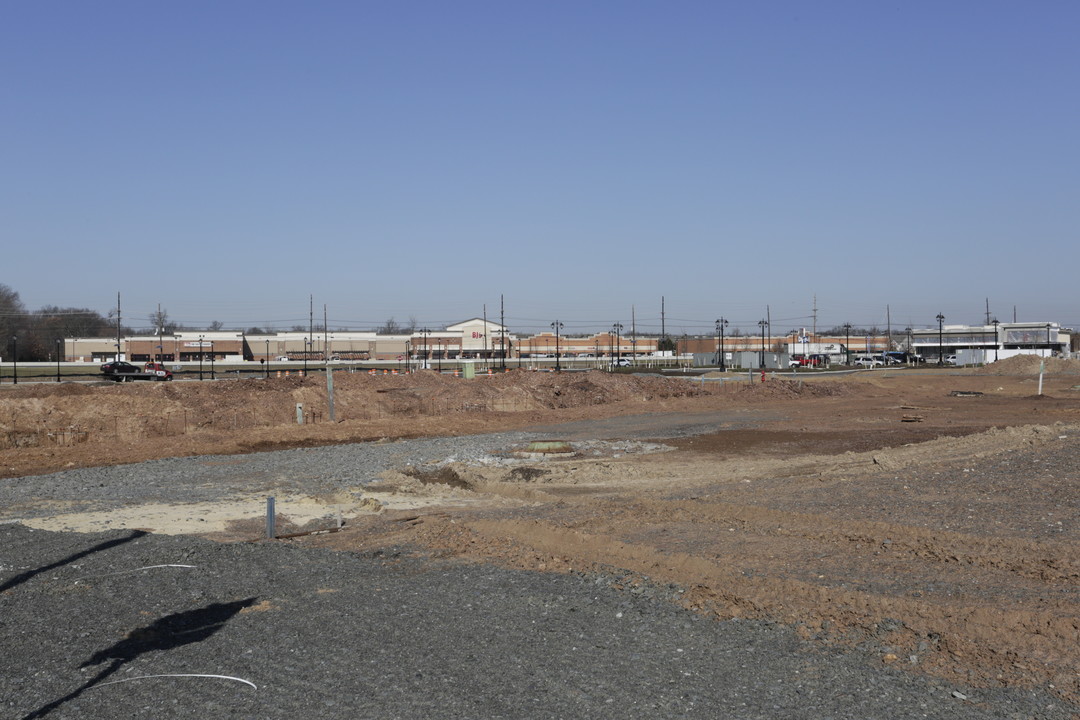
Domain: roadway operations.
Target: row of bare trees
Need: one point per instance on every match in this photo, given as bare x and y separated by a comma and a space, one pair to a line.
38, 335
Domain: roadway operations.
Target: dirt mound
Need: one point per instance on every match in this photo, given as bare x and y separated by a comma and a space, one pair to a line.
1030, 365
776, 387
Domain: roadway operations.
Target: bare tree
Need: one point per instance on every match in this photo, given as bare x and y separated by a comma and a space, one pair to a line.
12, 319
390, 327
160, 322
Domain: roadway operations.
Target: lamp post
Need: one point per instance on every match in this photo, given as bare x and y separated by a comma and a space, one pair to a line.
557, 326
58, 341
200, 356
617, 328
720, 331
997, 343
307, 347
266, 359
940, 342
212, 375
762, 324
15, 359
847, 343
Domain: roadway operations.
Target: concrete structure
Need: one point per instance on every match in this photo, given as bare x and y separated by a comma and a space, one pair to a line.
988, 343
603, 344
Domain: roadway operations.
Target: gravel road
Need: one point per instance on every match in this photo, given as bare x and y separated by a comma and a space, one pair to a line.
315, 470
181, 626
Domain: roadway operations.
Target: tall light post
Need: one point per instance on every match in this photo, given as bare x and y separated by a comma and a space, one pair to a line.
200, 356
997, 342
847, 343
940, 339
58, 341
557, 326
763, 324
720, 331
213, 376
617, 328
266, 359
15, 359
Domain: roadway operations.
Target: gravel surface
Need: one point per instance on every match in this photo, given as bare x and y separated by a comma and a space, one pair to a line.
210, 478
319, 470
393, 635
87, 620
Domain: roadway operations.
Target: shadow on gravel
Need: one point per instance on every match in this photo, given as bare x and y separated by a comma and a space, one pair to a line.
169, 632
23, 577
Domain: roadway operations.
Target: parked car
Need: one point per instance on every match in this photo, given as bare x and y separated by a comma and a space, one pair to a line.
899, 357
117, 367
950, 360
868, 362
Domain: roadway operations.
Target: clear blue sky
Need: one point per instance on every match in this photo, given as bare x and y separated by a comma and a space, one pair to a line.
231, 159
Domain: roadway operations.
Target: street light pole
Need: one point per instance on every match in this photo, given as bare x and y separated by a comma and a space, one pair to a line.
940, 343
266, 359
15, 359
58, 359
617, 328
557, 326
213, 376
200, 356
762, 323
720, 331
997, 342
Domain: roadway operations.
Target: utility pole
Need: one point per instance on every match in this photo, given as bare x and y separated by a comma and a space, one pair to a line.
329, 371
768, 318
325, 337
888, 330
502, 325
663, 328
311, 328
987, 311
117, 326
815, 318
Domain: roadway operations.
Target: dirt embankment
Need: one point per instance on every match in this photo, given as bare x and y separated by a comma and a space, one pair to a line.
45, 427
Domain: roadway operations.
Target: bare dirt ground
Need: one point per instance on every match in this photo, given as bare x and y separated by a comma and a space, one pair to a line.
928, 515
